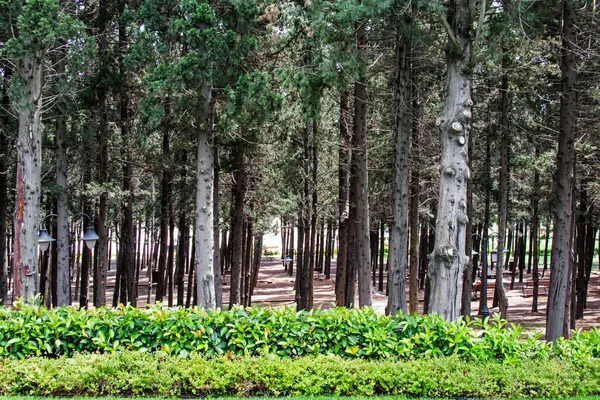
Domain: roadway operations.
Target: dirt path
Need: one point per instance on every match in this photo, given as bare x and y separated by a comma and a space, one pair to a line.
275, 287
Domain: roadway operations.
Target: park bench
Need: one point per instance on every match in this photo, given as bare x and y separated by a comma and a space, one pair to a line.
527, 287
491, 285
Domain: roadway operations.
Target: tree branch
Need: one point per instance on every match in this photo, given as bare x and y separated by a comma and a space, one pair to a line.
455, 45
473, 60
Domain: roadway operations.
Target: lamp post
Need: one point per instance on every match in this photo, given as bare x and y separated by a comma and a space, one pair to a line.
90, 237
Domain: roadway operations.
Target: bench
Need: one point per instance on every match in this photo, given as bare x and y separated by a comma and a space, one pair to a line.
527, 287
491, 285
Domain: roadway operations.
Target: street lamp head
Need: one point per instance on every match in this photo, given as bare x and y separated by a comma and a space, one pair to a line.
44, 240
90, 237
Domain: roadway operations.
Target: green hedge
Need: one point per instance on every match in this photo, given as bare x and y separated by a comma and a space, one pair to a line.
282, 332
135, 373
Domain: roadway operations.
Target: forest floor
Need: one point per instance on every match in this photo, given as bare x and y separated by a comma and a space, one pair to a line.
275, 287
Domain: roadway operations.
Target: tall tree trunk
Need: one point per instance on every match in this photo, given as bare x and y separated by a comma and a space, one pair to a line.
127, 242
448, 260
486, 214
503, 203
414, 217
299, 259
100, 109
468, 275
164, 204
360, 180
27, 194
63, 281
218, 281
329, 249
171, 254
182, 240
343, 196
562, 234
580, 253
398, 252
237, 225
535, 230
381, 255
4, 129
191, 274
205, 234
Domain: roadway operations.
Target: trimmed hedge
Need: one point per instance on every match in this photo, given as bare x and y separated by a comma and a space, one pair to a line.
135, 373
282, 332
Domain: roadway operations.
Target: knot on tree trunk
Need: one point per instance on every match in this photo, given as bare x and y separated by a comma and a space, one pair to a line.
446, 255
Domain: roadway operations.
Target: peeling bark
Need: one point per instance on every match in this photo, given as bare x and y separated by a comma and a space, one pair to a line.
27, 195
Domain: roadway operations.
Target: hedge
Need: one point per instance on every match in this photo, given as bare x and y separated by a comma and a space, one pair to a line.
28, 331
146, 374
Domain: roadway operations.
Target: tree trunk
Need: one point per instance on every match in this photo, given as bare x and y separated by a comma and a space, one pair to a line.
503, 203
486, 215
191, 274
127, 242
381, 255
4, 131
329, 248
171, 254
182, 245
535, 230
27, 194
343, 196
63, 279
164, 204
360, 180
218, 280
414, 217
398, 252
205, 234
562, 234
237, 225
100, 109
448, 260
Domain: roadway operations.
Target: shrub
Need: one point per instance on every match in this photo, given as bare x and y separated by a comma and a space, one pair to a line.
279, 332
135, 373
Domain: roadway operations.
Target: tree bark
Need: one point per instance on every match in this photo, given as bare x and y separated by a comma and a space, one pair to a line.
414, 217
398, 251
164, 204
205, 234
127, 242
4, 132
535, 230
448, 260
360, 180
503, 202
343, 196
562, 234
63, 281
238, 225
28, 182
101, 89
218, 281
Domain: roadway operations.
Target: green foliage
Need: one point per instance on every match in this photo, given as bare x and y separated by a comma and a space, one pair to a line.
139, 374
280, 332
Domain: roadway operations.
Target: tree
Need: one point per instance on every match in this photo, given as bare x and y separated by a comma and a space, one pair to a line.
561, 259
398, 254
448, 260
